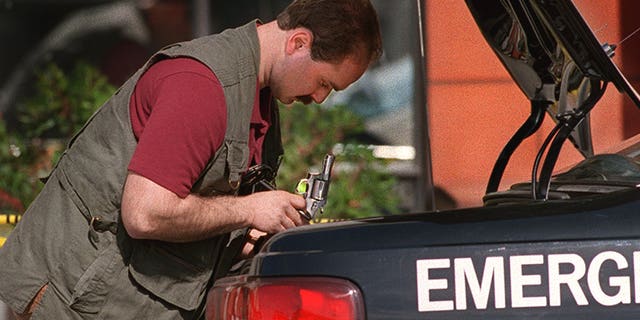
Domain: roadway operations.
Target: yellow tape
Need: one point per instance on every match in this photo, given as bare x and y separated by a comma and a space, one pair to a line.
9, 218
326, 220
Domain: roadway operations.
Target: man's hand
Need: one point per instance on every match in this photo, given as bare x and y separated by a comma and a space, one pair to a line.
274, 211
149, 211
254, 238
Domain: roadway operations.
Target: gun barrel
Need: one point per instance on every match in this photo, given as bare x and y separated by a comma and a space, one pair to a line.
327, 165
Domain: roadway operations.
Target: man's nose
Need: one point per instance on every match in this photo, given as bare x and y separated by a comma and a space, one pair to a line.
320, 95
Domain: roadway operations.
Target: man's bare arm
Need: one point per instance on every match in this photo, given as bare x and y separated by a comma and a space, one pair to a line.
149, 211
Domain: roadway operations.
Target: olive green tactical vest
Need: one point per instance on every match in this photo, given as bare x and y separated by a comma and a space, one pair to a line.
94, 167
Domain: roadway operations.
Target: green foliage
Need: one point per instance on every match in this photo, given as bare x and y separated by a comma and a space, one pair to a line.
18, 185
61, 103
360, 186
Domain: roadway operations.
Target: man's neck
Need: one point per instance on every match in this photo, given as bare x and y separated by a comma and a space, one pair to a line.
272, 40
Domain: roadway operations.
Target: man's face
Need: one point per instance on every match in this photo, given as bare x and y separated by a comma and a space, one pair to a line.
299, 78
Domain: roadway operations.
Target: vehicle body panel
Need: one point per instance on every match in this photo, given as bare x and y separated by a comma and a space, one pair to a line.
380, 255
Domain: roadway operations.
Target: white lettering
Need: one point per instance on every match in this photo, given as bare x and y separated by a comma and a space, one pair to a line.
493, 273
604, 280
623, 283
519, 280
425, 285
570, 279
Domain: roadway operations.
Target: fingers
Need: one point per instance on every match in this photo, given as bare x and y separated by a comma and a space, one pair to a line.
277, 211
290, 218
293, 216
256, 234
298, 202
254, 242
287, 223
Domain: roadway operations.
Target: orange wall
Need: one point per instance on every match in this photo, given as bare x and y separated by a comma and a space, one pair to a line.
474, 107
630, 53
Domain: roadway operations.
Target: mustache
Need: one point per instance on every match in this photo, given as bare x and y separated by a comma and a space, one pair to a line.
305, 99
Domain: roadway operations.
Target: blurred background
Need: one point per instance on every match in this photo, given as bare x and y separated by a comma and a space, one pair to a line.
419, 131
63, 58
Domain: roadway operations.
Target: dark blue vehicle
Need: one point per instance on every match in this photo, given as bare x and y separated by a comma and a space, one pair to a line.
562, 245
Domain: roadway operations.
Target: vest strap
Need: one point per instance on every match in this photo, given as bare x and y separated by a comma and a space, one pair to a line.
99, 224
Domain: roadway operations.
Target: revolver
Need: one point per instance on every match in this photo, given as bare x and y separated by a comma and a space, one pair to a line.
315, 188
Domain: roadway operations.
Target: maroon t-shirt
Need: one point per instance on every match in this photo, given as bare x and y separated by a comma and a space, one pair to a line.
179, 117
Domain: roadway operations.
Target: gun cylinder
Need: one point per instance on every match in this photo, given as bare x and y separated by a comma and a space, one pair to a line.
320, 190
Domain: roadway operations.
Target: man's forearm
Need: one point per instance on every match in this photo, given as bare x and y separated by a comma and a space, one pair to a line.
150, 211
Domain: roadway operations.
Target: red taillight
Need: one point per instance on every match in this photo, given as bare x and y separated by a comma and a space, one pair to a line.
284, 298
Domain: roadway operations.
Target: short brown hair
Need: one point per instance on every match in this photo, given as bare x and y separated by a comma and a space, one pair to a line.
340, 27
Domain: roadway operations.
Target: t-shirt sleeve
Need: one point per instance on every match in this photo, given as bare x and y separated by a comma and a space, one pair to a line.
184, 127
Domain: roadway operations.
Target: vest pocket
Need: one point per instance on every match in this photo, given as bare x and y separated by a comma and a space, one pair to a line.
92, 288
175, 273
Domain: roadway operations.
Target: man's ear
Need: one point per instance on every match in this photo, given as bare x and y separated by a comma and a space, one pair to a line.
299, 38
